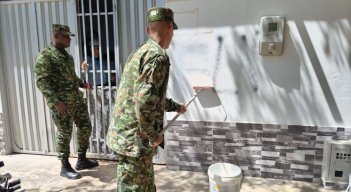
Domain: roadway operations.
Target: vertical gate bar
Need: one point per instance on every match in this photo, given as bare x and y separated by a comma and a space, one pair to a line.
125, 34
141, 22
87, 71
136, 23
94, 70
109, 72
118, 65
48, 22
131, 23
102, 72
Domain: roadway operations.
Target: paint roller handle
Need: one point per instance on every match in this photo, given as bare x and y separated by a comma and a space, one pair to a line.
193, 98
170, 123
178, 114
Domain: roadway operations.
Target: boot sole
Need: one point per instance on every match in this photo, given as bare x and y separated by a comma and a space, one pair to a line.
81, 168
71, 178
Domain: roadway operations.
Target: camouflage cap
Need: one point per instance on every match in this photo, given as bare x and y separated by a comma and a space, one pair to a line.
62, 29
161, 14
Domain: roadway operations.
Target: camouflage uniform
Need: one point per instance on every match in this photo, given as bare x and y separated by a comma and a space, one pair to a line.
138, 114
56, 79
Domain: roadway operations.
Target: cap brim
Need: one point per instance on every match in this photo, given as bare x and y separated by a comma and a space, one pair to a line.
175, 26
68, 33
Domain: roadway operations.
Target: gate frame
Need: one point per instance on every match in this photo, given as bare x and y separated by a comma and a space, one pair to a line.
7, 133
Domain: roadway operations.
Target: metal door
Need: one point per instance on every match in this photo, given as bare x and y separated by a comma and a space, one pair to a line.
25, 30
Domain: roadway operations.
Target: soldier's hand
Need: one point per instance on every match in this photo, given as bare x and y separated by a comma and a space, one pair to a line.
182, 109
84, 66
61, 108
158, 141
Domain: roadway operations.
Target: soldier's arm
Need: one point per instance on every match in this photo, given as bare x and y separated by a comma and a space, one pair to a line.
79, 81
146, 95
172, 105
46, 76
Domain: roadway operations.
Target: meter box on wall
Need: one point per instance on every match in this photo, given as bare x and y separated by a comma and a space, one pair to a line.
336, 161
271, 36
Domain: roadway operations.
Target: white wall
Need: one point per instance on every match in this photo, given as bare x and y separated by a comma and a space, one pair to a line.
308, 85
0, 105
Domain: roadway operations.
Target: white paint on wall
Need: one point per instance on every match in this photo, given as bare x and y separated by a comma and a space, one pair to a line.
218, 44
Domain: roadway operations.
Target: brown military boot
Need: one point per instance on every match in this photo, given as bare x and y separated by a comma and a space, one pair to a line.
84, 163
67, 171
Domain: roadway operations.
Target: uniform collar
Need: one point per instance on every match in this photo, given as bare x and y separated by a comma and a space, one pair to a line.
152, 41
59, 52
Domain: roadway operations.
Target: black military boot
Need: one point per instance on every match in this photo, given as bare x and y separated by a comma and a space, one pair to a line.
84, 163
67, 171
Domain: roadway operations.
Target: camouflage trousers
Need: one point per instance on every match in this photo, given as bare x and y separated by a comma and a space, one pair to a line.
77, 112
135, 174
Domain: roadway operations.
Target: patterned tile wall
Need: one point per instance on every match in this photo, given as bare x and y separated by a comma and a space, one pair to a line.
290, 152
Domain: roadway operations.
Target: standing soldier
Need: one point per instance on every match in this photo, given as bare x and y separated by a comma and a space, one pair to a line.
56, 79
140, 104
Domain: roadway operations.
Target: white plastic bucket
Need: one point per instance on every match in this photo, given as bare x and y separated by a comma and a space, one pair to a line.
224, 177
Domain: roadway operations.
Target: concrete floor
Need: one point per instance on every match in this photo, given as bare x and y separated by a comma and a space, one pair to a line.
41, 173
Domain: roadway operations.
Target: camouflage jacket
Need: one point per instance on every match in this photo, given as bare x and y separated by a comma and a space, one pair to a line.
55, 76
141, 101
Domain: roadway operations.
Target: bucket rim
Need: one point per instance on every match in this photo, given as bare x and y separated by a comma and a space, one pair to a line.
213, 175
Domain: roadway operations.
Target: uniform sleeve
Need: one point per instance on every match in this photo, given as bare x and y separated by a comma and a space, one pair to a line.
172, 105
79, 81
46, 79
146, 94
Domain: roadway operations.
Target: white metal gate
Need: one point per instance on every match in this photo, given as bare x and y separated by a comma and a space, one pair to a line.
108, 32
117, 26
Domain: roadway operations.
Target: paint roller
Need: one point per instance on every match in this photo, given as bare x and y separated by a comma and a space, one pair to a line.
198, 90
